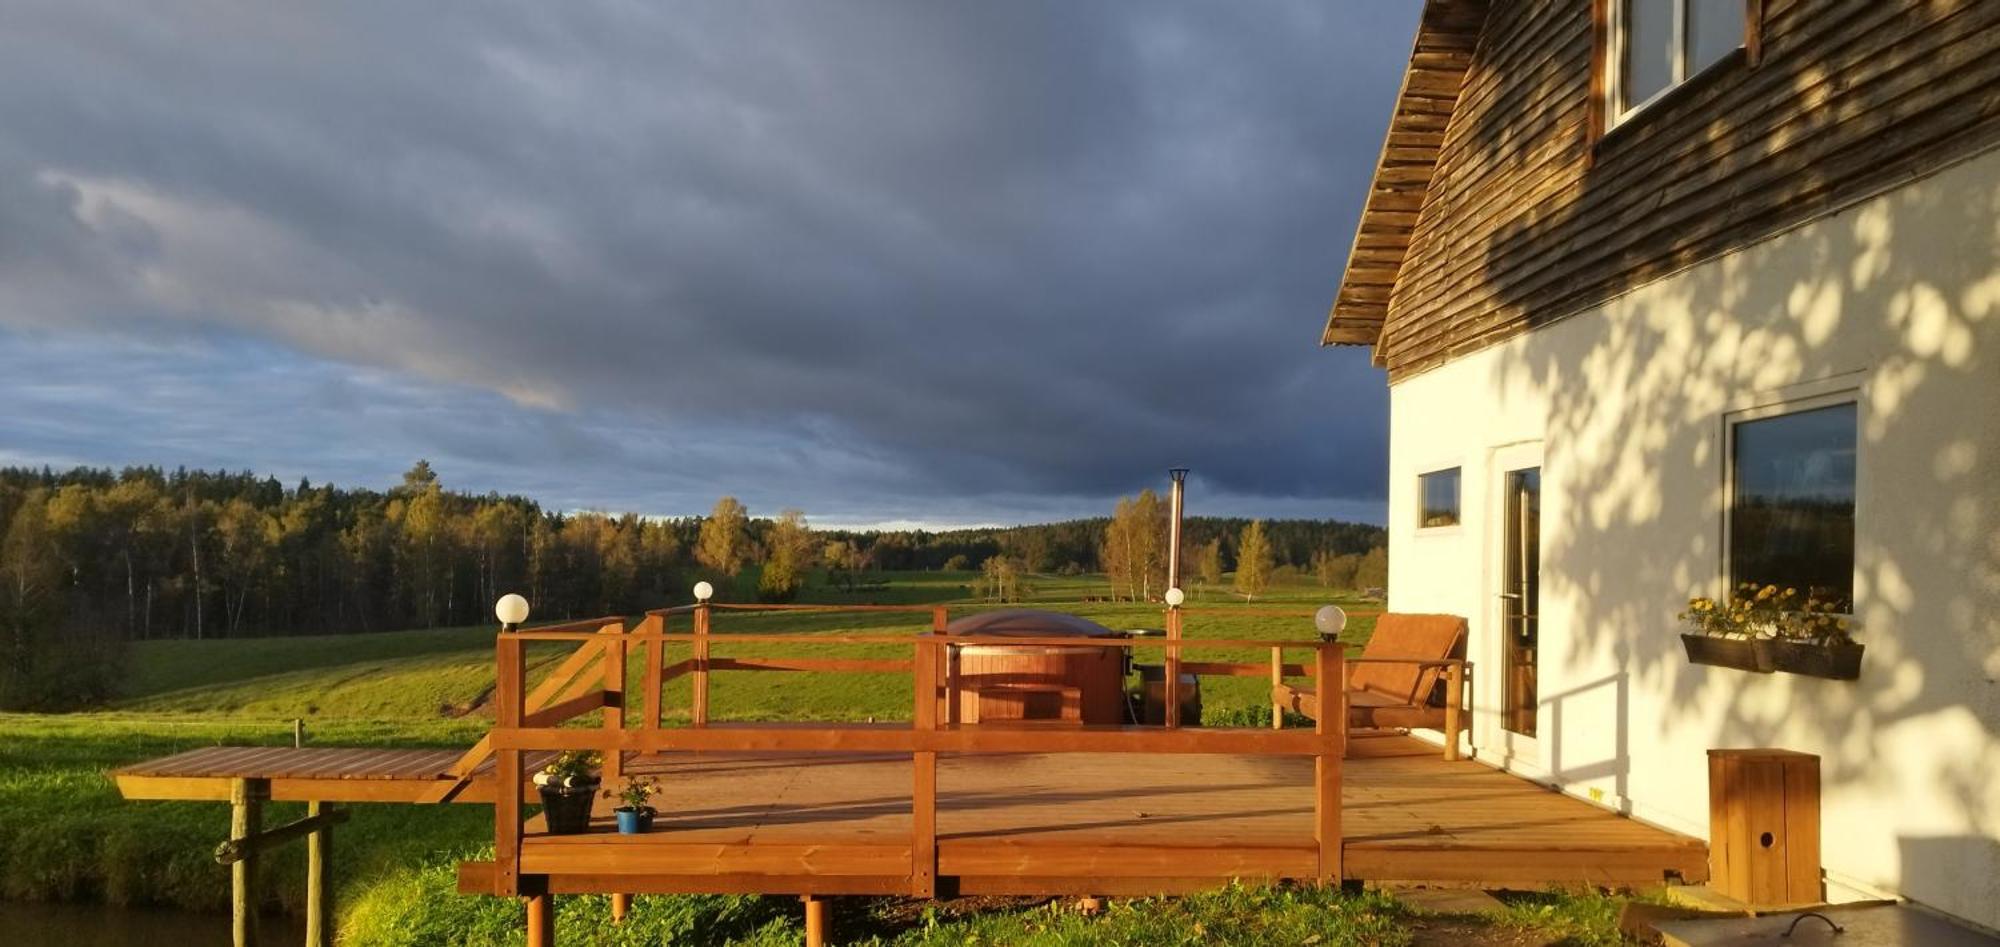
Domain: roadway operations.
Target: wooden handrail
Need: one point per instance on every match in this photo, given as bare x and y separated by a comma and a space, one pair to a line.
959, 641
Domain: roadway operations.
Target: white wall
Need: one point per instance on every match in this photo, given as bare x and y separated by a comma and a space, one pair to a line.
1897, 298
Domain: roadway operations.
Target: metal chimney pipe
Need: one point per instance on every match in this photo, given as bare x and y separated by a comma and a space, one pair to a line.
1174, 530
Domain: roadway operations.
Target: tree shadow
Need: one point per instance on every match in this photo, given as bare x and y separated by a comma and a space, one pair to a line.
1896, 299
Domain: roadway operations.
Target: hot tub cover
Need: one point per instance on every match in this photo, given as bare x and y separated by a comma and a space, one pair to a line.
1028, 623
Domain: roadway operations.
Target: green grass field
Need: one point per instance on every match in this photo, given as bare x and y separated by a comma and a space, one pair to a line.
66, 835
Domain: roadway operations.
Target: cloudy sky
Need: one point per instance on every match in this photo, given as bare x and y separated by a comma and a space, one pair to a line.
939, 262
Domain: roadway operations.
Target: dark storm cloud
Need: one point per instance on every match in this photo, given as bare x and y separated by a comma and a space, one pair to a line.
880, 258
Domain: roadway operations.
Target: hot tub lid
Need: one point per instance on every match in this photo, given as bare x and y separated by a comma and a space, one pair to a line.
1028, 623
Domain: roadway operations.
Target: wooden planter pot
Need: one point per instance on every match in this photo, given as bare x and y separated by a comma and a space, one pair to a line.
1837, 661
1739, 653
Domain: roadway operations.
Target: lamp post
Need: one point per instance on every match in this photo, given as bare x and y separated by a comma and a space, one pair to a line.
1179, 474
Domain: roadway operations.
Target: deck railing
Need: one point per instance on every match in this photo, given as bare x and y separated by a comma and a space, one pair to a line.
594, 678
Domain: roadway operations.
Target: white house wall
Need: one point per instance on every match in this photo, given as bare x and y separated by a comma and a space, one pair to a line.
1897, 298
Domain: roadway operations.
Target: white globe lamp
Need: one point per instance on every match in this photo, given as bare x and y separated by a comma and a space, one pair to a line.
703, 591
1329, 620
511, 609
1175, 597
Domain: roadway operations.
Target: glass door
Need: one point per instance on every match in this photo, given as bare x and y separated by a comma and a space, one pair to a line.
1520, 598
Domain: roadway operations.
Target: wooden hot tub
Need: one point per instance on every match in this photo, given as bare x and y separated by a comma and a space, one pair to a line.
1003, 682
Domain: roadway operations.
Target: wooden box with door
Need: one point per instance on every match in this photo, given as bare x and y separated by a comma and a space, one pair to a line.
1763, 826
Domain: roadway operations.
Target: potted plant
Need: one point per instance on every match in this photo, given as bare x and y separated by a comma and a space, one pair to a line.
1767, 629
568, 784
634, 815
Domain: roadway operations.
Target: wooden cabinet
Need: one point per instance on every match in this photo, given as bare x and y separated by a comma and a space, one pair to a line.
1763, 826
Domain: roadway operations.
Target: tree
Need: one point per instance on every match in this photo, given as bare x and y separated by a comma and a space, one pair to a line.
1000, 579
1135, 546
725, 538
1253, 561
1373, 570
789, 556
1209, 563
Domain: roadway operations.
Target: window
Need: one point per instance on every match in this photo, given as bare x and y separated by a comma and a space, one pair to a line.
1658, 44
1791, 505
1438, 491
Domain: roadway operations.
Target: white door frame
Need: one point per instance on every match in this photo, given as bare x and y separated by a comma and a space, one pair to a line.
1513, 751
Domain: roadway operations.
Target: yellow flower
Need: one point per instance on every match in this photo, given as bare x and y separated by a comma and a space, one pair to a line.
1843, 624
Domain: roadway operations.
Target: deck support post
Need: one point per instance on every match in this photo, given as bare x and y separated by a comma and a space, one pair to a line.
923, 764
621, 905
1329, 666
815, 920
541, 920
246, 818
319, 895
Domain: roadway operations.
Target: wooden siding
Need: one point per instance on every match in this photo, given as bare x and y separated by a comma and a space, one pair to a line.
1529, 216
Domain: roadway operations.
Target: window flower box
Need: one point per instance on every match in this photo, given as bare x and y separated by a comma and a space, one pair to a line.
1767, 629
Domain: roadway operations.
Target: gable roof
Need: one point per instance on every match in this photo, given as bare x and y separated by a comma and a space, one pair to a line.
1438, 62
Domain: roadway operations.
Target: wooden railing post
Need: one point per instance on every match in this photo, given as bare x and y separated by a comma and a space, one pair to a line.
1453, 699
1173, 689
1329, 661
923, 790
509, 684
319, 894
1277, 681
656, 652
614, 698
948, 675
700, 708
246, 819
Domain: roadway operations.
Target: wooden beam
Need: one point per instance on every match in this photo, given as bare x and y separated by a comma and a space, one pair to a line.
621, 905
989, 738
923, 791
246, 815
818, 665
236, 849
614, 701
1331, 728
1277, 681
816, 923
699, 712
557, 713
541, 920
320, 914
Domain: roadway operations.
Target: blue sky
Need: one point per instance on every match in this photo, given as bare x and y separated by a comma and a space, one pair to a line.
884, 262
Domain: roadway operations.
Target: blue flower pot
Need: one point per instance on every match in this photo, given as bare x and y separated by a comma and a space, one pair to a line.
634, 821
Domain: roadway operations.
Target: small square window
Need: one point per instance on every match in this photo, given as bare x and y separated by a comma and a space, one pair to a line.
1438, 491
1791, 503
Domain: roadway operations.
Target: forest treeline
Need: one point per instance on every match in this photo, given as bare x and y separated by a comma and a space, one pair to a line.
91, 558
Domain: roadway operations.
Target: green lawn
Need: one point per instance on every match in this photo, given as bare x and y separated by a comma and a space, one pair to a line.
66, 835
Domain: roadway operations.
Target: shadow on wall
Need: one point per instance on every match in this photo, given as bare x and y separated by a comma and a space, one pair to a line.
1902, 294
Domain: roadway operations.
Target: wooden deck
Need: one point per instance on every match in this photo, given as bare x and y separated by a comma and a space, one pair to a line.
1083, 823
313, 774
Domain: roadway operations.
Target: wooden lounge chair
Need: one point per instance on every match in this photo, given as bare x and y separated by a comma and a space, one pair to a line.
1411, 674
